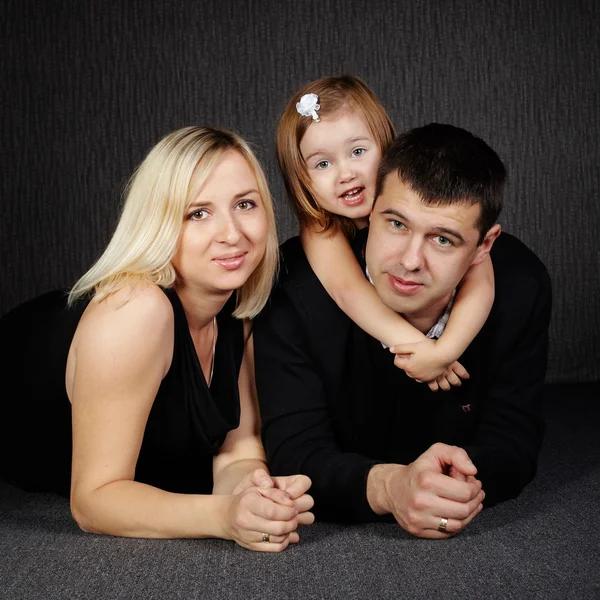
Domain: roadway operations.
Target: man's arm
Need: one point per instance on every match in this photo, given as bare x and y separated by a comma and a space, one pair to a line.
508, 438
296, 423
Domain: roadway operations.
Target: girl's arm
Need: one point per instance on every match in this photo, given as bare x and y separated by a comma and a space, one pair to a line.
119, 355
471, 308
331, 258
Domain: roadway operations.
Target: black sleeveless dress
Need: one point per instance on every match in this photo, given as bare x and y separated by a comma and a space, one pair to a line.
187, 424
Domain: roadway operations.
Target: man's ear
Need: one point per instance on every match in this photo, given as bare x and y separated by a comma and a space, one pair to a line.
484, 248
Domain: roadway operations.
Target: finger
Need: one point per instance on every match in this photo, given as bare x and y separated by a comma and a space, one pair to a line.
268, 546
297, 486
293, 538
456, 474
446, 455
401, 361
277, 496
403, 349
454, 526
305, 518
433, 385
457, 368
453, 378
457, 511
273, 528
273, 539
449, 488
261, 478
443, 383
304, 503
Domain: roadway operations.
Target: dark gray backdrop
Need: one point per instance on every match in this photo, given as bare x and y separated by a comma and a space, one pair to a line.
88, 87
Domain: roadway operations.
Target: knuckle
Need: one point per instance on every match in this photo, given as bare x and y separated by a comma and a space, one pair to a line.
239, 521
412, 518
420, 502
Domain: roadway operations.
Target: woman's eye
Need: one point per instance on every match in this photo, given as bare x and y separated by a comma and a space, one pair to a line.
246, 204
323, 164
358, 151
198, 215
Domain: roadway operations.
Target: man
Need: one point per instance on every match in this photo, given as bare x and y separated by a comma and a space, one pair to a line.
334, 406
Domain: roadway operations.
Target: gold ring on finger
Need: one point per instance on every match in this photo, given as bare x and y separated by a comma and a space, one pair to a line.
266, 538
442, 525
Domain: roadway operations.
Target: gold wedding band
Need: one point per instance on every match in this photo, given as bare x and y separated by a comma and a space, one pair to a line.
266, 538
442, 525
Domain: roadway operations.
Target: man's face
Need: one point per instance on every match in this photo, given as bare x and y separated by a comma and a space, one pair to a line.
417, 254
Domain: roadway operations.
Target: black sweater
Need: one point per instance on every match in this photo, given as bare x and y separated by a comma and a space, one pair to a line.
333, 404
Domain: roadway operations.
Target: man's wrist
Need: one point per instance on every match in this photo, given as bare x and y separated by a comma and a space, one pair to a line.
378, 486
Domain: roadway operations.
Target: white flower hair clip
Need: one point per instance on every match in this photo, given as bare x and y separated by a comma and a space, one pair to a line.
308, 106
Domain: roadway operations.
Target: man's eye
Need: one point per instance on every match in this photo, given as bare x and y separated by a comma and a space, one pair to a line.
246, 204
443, 241
358, 151
397, 224
198, 215
323, 164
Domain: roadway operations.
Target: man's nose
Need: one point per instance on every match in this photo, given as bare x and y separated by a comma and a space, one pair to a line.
412, 256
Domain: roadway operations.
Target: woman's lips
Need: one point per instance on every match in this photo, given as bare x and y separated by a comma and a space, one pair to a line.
353, 197
231, 263
404, 286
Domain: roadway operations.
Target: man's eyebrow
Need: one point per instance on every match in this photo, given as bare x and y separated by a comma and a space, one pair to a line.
439, 230
451, 232
392, 212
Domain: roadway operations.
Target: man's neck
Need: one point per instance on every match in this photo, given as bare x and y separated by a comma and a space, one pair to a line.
424, 320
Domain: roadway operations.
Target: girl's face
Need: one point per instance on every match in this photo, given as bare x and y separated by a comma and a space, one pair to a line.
342, 158
225, 229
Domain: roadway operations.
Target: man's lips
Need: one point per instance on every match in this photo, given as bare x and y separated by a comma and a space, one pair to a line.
230, 261
353, 196
404, 286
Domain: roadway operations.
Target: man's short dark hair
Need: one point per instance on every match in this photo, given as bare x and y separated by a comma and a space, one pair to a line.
446, 165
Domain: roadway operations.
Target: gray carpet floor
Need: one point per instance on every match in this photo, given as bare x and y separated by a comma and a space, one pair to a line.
545, 544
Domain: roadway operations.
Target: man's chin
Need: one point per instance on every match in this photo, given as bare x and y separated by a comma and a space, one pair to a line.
401, 303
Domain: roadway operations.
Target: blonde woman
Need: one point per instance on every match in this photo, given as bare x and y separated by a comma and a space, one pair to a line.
154, 353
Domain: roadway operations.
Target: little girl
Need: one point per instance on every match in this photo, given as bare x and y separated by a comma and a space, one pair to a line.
330, 140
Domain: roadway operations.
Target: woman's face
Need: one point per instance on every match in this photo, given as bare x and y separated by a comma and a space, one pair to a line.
225, 229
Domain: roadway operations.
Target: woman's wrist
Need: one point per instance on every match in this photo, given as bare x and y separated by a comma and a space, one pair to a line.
221, 517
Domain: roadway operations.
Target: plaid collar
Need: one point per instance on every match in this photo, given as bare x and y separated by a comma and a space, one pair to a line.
436, 331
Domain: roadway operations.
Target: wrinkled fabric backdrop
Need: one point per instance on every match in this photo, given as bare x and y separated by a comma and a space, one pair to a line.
88, 87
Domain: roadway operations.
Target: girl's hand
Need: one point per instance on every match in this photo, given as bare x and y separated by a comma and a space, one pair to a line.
451, 376
423, 361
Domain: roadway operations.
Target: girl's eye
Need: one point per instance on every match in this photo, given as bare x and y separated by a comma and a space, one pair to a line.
358, 151
198, 215
323, 164
246, 204
442, 241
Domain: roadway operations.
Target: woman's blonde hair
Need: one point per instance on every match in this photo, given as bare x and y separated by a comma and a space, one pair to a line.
336, 95
156, 200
